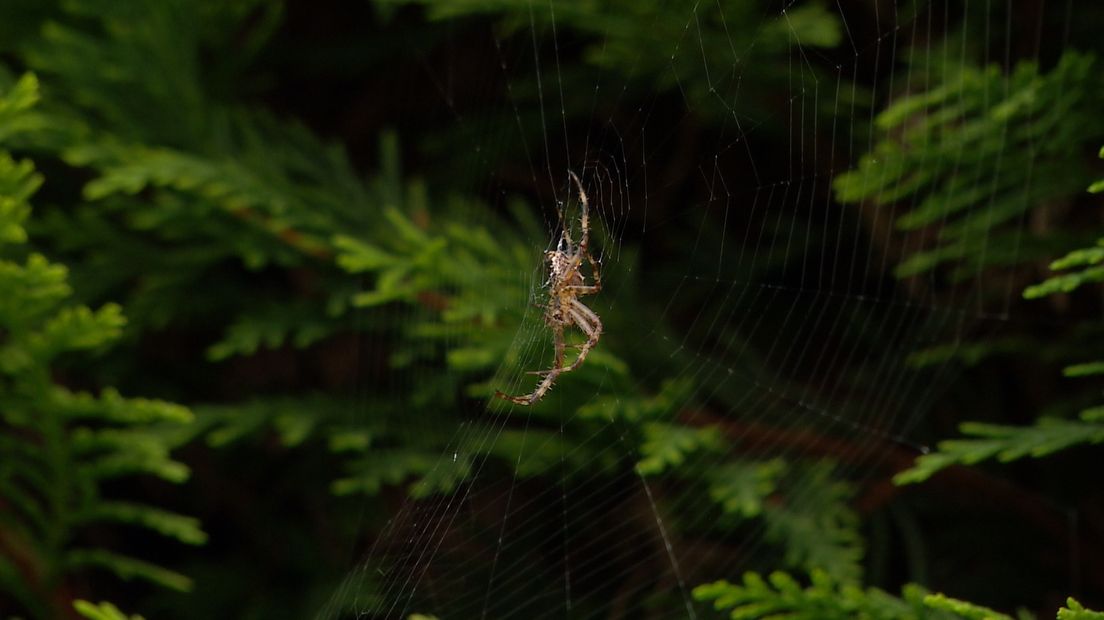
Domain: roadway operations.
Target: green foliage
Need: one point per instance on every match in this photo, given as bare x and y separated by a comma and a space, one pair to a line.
817, 525
741, 488
188, 193
1048, 434
1076, 611
62, 445
19, 180
1087, 259
211, 196
102, 611
223, 183
781, 596
666, 446
218, 191
721, 28
803, 509
663, 405
239, 191
255, 239
747, 60
955, 153
1098, 185
962, 609
1007, 443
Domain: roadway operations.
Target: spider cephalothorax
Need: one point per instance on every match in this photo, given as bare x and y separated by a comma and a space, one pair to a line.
566, 284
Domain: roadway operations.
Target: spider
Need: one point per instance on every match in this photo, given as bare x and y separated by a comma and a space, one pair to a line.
566, 284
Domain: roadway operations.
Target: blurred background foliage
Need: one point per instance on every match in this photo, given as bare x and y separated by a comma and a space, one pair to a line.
323, 224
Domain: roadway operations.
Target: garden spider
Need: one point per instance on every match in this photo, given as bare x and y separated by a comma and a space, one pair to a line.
566, 284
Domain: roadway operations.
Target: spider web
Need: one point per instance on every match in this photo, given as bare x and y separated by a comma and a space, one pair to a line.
761, 312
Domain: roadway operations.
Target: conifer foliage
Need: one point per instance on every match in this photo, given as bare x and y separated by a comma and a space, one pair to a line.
338, 318
63, 444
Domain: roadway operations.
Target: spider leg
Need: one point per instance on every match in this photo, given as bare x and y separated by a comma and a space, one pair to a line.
558, 341
536, 394
575, 271
590, 324
584, 241
549, 375
585, 218
591, 316
595, 273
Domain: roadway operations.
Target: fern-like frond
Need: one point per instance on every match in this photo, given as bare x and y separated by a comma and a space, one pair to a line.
667, 446
807, 515
741, 488
963, 609
1086, 261
782, 596
980, 124
61, 446
824, 598
102, 611
1006, 443
1048, 434
614, 37
1076, 611
125, 567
